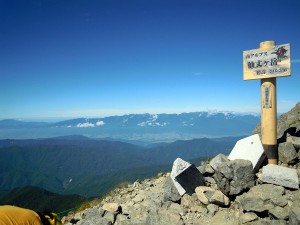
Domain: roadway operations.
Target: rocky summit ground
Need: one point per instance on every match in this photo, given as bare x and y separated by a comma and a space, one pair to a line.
232, 194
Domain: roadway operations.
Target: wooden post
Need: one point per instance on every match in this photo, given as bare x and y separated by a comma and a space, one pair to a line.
269, 112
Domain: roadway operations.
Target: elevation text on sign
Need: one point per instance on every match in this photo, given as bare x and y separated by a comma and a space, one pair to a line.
274, 62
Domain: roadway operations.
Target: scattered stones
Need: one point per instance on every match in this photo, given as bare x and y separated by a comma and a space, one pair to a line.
280, 175
208, 195
170, 199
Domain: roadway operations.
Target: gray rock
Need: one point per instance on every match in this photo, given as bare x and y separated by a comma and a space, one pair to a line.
217, 160
279, 213
219, 198
287, 122
287, 153
280, 175
162, 217
170, 191
212, 209
235, 176
247, 217
294, 215
260, 198
206, 170
204, 194
295, 141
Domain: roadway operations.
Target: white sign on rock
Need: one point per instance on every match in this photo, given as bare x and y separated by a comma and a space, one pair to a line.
249, 148
179, 166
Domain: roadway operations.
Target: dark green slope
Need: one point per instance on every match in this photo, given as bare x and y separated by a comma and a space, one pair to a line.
41, 200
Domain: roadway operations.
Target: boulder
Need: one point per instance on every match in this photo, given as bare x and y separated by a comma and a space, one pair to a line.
249, 148
235, 176
287, 153
217, 160
294, 215
206, 170
280, 175
295, 141
279, 212
247, 217
170, 191
260, 198
186, 177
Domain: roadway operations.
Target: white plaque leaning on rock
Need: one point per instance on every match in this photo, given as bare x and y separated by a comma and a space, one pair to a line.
249, 148
179, 166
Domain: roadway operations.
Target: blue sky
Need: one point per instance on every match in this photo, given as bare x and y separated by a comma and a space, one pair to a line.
85, 58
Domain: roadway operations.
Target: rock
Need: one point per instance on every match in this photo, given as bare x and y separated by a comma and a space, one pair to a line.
204, 194
188, 201
279, 213
294, 215
170, 191
111, 207
206, 170
219, 198
280, 175
235, 176
295, 141
224, 218
288, 122
186, 177
287, 153
162, 217
110, 216
260, 198
208, 195
247, 217
217, 160
212, 209
249, 148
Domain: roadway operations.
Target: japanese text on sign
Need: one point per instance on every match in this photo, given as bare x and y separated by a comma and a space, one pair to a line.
260, 64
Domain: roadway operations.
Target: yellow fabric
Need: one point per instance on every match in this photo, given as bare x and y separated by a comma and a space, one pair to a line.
12, 215
54, 220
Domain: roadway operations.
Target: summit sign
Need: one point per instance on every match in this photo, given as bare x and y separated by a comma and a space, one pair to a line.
260, 64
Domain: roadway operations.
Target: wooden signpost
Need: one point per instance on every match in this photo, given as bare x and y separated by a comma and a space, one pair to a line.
267, 63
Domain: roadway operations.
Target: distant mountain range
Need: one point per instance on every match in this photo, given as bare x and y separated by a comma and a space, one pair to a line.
90, 167
147, 128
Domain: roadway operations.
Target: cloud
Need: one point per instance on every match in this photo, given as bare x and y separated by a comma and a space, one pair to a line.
85, 125
296, 61
99, 123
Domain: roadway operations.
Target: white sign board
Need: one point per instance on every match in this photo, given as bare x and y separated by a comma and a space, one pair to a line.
274, 62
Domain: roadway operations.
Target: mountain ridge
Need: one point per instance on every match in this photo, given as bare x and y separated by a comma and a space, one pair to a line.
150, 128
